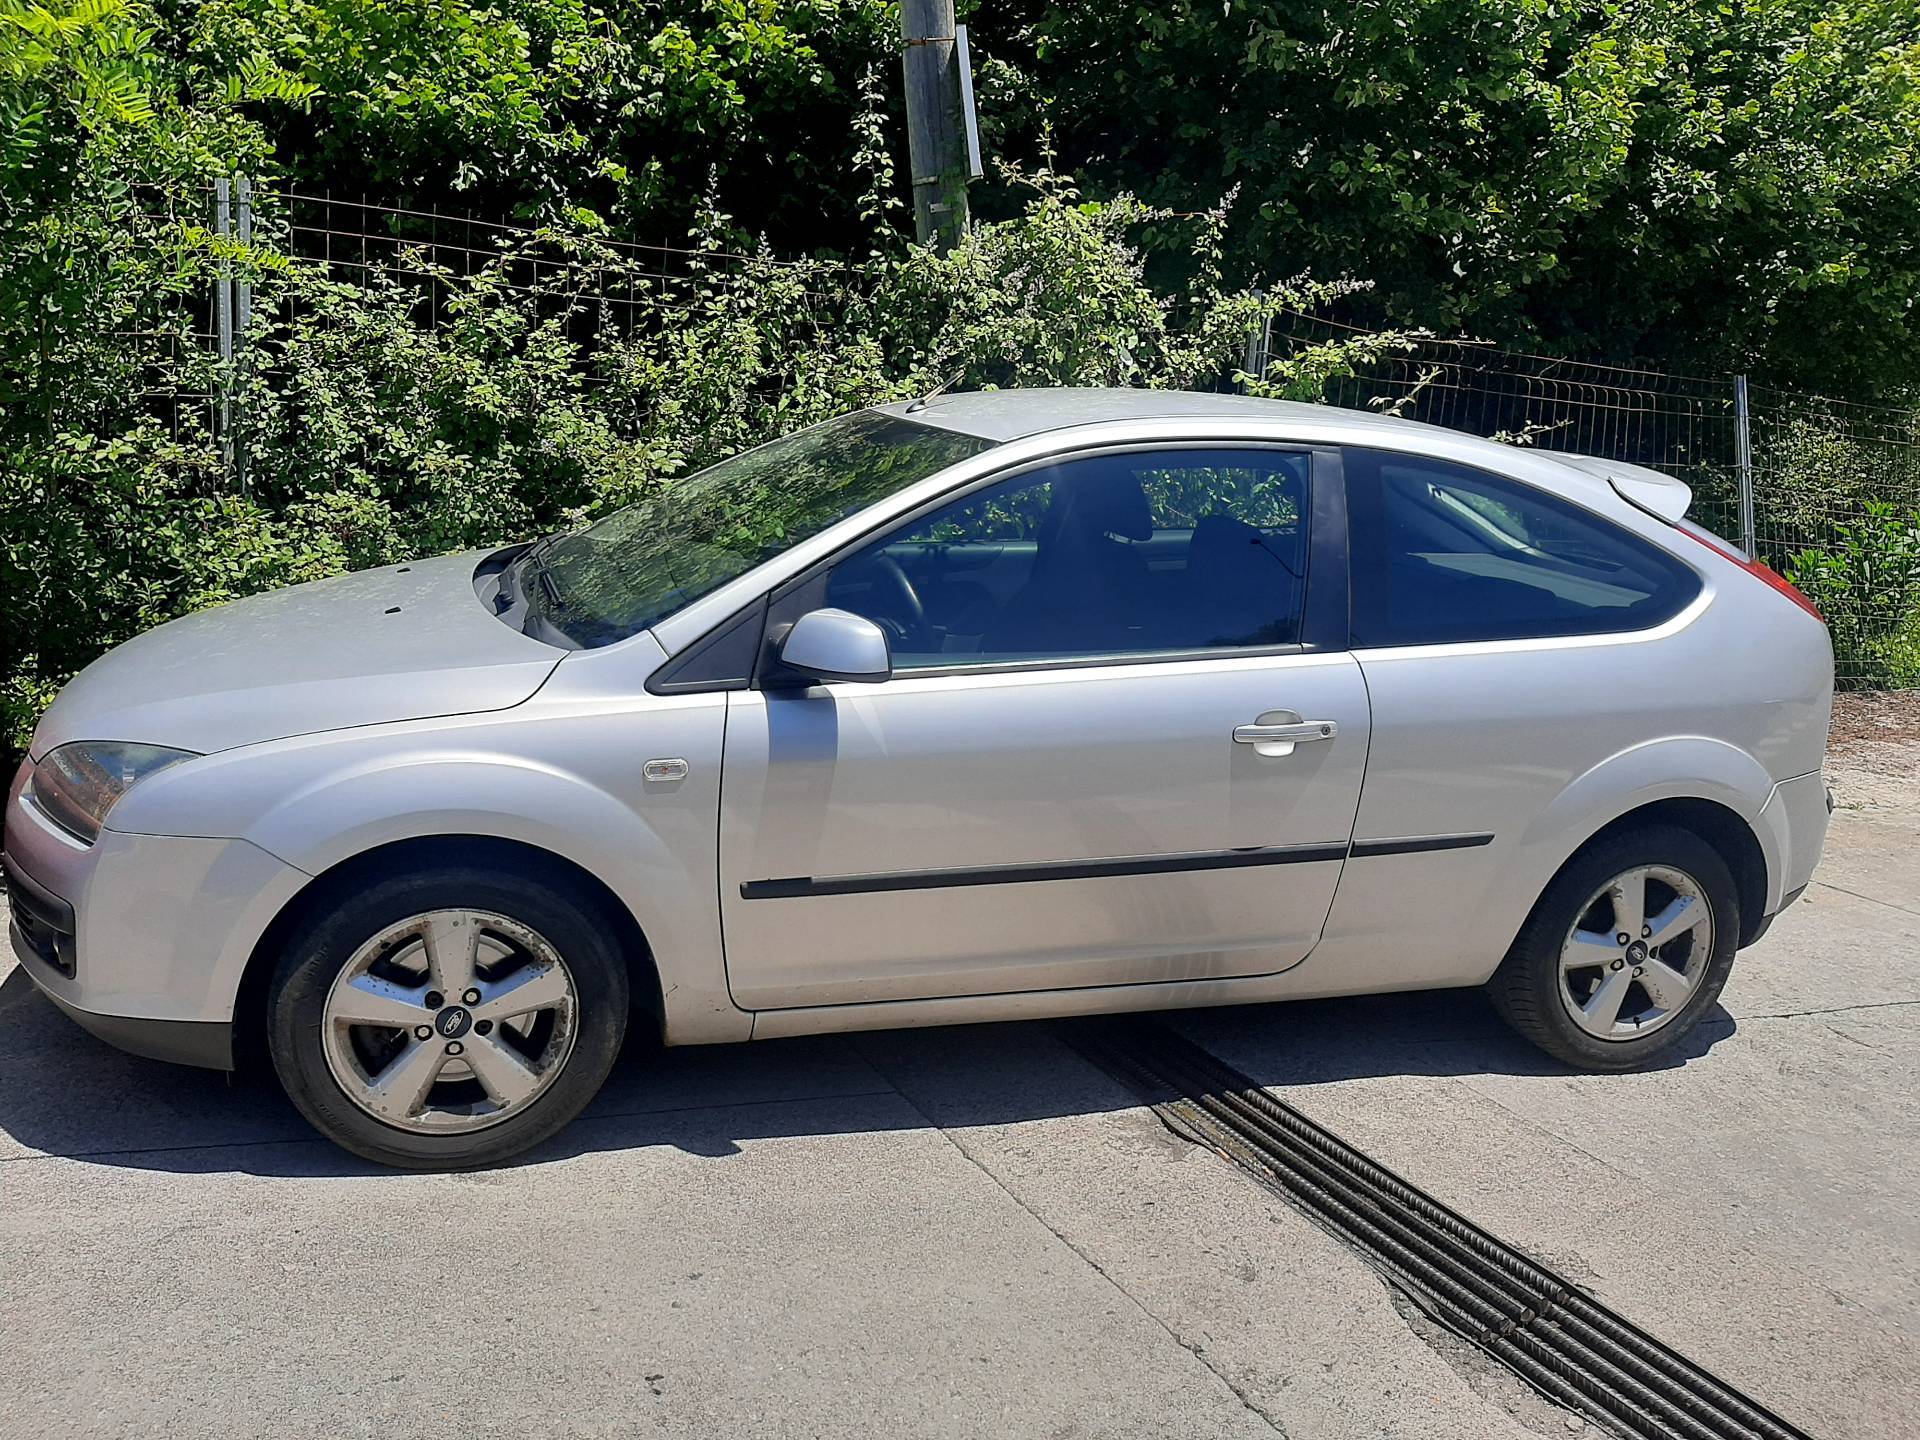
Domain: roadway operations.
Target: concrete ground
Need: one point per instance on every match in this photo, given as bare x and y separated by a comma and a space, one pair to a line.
973, 1232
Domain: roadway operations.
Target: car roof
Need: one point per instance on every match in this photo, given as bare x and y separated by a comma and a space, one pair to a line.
1002, 415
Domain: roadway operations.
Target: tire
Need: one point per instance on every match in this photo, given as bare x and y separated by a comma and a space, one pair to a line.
493, 1087
1575, 917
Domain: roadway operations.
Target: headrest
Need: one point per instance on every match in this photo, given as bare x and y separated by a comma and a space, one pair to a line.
1108, 505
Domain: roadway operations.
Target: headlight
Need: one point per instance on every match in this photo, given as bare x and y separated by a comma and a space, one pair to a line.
78, 784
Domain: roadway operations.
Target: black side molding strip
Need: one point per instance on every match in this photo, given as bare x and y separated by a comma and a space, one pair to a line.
798, 886
786, 889
1418, 844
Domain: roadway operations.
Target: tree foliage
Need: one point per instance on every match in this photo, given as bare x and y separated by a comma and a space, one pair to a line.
1705, 183
419, 410
628, 111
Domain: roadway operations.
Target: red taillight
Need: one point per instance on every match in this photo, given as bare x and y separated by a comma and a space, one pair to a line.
1754, 568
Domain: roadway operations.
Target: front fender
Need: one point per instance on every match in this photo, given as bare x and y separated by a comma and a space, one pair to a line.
378, 801
562, 781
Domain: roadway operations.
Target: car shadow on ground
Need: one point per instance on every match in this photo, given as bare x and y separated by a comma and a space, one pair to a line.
63, 1093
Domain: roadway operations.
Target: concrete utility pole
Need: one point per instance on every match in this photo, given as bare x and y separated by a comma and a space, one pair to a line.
936, 133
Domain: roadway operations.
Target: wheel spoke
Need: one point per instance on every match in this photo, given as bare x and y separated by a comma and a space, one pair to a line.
1597, 1016
1668, 988
368, 1000
450, 941
505, 1076
1684, 914
532, 987
1630, 904
1585, 949
401, 1089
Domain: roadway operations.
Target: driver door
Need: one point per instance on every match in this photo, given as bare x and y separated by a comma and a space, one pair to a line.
1072, 778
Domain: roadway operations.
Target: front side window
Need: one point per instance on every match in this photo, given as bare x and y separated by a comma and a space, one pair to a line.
640, 564
1443, 552
1112, 555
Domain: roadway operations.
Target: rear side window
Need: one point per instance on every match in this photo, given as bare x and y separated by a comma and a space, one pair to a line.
1442, 552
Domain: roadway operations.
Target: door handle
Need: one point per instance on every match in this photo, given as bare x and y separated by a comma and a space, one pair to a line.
1275, 734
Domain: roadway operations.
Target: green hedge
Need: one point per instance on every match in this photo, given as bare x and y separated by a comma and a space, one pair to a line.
418, 411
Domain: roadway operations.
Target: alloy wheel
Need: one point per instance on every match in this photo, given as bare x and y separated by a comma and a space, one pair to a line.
450, 1021
1637, 952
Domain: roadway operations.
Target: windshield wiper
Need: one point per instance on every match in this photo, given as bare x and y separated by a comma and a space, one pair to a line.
533, 562
540, 546
505, 591
512, 588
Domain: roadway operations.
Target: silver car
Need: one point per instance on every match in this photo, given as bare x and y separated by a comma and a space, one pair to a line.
984, 707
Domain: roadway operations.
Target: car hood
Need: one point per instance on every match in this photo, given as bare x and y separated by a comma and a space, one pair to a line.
404, 642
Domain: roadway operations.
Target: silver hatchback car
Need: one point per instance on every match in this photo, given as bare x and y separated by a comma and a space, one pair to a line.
985, 707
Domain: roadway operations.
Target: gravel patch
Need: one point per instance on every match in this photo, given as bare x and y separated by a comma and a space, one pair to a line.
1876, 715
1873, 756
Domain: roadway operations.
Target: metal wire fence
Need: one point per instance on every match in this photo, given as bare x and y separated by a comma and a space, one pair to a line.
436, 256
438, 250
1826, 491
601, 288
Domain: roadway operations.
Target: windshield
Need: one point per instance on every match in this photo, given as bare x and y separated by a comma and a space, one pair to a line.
639, 565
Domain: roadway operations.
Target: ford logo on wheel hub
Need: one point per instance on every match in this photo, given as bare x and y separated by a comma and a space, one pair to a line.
453, 1022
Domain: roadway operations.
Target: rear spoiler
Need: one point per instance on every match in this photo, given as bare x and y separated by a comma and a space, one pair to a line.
1661, 496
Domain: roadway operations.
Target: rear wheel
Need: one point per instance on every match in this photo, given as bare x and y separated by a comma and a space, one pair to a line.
1628, 947
449, 1018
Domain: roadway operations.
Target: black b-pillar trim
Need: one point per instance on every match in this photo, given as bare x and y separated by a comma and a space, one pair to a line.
1324, 624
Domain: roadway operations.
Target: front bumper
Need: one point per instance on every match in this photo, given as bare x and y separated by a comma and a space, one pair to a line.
207, 1043
42, 924
142, 939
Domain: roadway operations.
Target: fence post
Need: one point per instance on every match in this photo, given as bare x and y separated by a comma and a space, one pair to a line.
242, 307
223, 322
1257, 340
1743, 465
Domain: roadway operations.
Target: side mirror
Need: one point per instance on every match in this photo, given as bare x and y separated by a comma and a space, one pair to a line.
837, 645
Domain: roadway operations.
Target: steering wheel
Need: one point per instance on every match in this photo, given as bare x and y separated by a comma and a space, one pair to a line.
894, 605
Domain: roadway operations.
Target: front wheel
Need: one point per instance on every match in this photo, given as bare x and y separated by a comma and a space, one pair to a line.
1630, 945
448, 1018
